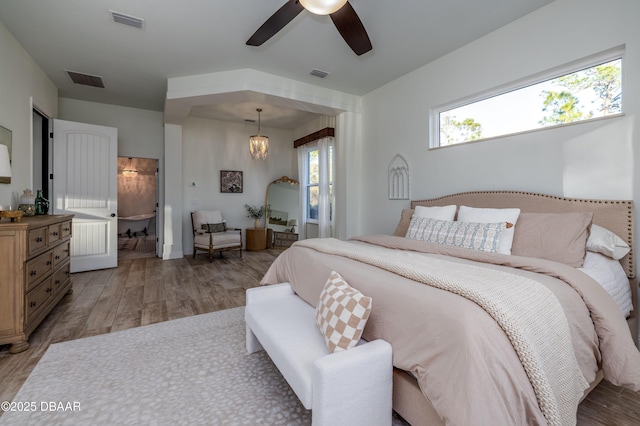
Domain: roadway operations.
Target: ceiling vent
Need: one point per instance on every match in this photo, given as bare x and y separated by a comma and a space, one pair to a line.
318, 73
129, 20
85, 79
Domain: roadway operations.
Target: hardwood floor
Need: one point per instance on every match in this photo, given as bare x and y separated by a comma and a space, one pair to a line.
149, 290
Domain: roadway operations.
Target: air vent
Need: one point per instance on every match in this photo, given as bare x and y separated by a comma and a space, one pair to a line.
129, 20
85, 79
318, 73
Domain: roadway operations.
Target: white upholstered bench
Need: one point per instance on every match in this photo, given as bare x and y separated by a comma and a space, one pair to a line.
352, 387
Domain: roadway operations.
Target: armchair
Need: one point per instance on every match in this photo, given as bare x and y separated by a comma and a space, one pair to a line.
211, 234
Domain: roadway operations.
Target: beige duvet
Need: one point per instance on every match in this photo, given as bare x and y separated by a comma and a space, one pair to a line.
464, 362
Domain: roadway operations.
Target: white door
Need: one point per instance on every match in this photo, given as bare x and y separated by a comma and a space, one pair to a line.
85, 185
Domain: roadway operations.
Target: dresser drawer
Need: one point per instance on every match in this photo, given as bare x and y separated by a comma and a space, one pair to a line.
37, 298
37, 239
65, 229
54, 232
60, 278
38, 268
61, 253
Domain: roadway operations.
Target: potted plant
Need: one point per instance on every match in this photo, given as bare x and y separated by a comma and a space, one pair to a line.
255, 213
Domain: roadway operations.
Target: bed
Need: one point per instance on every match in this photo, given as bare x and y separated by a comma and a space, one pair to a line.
460, 357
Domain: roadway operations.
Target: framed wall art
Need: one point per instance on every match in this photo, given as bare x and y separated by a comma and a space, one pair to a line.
230, 181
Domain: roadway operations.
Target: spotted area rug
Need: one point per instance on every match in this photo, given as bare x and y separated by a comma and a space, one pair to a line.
188, 371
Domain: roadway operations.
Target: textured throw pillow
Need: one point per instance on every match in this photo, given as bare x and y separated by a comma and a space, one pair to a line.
603, 241
475, 236
341, 314
214, 227
561, 237
482, 215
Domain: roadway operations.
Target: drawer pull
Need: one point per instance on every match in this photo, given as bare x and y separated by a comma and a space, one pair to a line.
48, 289
54, 233
48, 262
32, 304
57, 257
39, 239
33, 273
67, 229
57, 282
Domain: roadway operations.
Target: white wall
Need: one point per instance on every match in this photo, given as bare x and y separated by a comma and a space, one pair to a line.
209, 146
22, 85
595, 160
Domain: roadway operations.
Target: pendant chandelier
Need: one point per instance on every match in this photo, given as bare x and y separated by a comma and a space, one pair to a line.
258, 144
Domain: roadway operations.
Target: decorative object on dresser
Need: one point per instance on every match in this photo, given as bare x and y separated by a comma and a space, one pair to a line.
34, 274
284, 239
42, 204
256, 239
27, 203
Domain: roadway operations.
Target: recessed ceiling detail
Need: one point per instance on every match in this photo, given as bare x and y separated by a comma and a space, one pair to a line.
86, 79
129, 20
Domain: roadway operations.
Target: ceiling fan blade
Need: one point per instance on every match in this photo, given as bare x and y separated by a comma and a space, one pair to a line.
351, 29
276, 22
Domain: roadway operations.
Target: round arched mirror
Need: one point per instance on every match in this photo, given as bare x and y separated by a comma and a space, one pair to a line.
283, 211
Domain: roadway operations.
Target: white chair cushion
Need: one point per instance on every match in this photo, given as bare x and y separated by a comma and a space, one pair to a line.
219, 239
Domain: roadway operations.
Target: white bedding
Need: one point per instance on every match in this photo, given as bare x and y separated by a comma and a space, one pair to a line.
610, 275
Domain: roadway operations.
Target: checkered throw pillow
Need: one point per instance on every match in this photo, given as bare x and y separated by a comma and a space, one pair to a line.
341, 314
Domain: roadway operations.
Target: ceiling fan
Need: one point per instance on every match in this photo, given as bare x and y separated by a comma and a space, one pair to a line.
341, 12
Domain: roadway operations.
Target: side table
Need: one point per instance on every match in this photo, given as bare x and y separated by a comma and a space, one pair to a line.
256, 239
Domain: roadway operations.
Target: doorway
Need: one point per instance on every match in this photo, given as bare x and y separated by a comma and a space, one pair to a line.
137, 207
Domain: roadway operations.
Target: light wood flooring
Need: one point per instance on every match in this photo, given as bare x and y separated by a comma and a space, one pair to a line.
149, 290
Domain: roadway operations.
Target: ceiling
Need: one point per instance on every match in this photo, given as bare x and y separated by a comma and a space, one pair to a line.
190, 37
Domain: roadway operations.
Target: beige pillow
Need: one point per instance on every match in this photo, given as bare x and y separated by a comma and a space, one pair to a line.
403, 225
341, 314
561, 237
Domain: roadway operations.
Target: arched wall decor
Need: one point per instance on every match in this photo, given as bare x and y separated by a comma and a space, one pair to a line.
398, 178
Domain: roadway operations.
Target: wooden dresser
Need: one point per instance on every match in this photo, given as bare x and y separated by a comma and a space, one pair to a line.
34, 274
284, 239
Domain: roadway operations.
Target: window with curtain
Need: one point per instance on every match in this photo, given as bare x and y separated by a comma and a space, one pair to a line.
315, 162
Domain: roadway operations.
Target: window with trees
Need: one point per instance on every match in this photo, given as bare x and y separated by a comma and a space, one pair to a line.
586, 92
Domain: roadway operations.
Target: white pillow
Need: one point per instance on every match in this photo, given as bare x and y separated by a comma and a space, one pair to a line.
601, 240
481, 215
436, 212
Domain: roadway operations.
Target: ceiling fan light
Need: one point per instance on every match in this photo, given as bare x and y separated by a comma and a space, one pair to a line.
323, 7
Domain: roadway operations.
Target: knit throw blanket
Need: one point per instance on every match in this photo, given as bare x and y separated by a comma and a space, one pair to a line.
529, 313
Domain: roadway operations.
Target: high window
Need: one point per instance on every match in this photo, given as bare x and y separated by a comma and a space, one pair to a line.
589, 90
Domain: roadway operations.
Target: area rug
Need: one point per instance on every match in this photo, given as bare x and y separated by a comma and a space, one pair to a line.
188, 371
